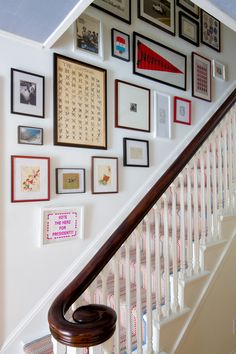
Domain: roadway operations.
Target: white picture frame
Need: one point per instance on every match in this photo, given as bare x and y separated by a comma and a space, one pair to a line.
162, 115
218, 70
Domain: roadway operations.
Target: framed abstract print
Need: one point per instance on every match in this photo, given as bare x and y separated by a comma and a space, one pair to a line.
120, 45
120, 9
30, 135
135, 152
162, 115
201, 77
182, 110
189, 6
104, 175
188, 29
210, 31
70, 180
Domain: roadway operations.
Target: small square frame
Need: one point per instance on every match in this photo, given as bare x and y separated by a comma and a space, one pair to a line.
70, 180
120, 45
27, 93
104, 175
188, 29
182, 110
135, 152
218, 70
201, 77
210, 31
162, 115
30, 135
190, 7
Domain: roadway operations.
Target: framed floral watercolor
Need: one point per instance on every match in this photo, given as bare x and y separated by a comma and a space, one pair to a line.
182, 110
136, 152
30, 178
218, 70
30, 135
70, 180
104, 175
210, 31
162, 115
120, 45
201, 77
189, 6
120, 9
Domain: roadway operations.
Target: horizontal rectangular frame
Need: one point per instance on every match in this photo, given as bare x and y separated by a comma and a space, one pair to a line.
136, 161
112, 10
20, 140
80, 171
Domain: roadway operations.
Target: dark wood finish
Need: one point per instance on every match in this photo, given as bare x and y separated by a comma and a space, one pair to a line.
75, 334
125, 152
112, 13
194, 94
202, 29
195, 14
195, 23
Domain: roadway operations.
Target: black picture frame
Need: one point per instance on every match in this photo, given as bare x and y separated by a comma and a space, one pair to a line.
191, 22
135, 152
66, 177
210, 31
201, 77
113, 11
119, 50
30, 135
194, 11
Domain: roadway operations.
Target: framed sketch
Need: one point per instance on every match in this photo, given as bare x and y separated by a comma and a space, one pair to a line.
218, 70
80, 113
135, 152
132, 106
162, 115
201, 77
188, 29
70, 180
117, 8
88, 36
30, 178
157, 62
120, 45
61, 224
182, 110
189, 6
159, 13
210, 31
27, 93
104, 175
30, 135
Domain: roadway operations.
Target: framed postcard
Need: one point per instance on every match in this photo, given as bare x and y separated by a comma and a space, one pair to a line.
104, 175
135, 152
182, 110
201, 77
88, 36
27, 93
61, 224
157, 62
80, 112
120, 45
30, 135
188, 29
218, 70
162, 115
159, 13
132, 106
30, 178
210, 31
189, 6
70, 180
117, 8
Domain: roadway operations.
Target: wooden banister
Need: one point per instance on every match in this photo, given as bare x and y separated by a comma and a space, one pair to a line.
94, 324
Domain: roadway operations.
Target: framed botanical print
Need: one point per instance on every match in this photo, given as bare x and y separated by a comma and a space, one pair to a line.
70, 180
104, 175
159, 13
188, 29
189, 6
136, 152
182, 110
210, 31
117, 8
201, 77
162, 115
30, 135
218, 70
120, 45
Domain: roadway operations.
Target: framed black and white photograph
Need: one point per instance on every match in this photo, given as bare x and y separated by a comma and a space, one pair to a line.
210, 31
30, 135
70, 180
188, 29
135, 152
218, 70
117, 8
27, 93
201, 77
162, 115
120, 45
189, 6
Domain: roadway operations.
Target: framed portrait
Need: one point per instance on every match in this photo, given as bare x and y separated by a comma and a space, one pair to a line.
88, 38
157, 62
61, 224
188, 29
132, 106
117, 8
104, 175
30, 178
30, 135
189, 6
182, 110
120, 45
210, 31
70, 180
27, 93
159, 13
201, 77
162, 115
135, 152
218, 70
80, 112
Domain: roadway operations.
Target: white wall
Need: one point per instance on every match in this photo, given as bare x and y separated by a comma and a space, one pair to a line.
27, 272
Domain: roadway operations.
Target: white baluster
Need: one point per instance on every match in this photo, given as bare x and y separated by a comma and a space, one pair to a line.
138, 290
166, 256
208, 193
182, 228
196, 216
230, 169
214, 189
225, 170
107, 346
58, 348
203, 198
72, 350
116, 272
128, 296
189, 222
220, 173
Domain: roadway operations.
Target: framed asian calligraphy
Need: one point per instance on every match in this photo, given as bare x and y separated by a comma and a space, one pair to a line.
201, 77
80, 114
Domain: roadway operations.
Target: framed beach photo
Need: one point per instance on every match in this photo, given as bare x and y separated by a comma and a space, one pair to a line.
27, 93
120, 45
201, 77
30, 135
218, 70
135, 152
30, 178
210, 31
188, 29
189, 6
70, 180
182, 110
104, 175
162, 115
121, 9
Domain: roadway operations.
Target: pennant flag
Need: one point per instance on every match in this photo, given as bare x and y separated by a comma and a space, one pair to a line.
120, 44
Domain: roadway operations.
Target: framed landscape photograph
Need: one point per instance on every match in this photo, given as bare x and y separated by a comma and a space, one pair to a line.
132, 106
30, 135
30, 178
27, 93
117, 8
135, 152
218, 70
162, 115
182, 110
159, 13
210, 31
201, 77
120, 45
80, 108
70, 180
189, 6
188, 29
104, 175
157, 62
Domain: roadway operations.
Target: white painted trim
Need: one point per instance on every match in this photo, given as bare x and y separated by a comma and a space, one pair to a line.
23, 40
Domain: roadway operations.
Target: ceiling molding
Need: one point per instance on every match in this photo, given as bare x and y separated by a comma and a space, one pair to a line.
20, 39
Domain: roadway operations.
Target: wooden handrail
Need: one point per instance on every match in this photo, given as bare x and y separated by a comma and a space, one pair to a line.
95, 324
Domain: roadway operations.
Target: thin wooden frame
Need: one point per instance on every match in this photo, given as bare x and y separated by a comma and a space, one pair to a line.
188, 29
80, 108
160, 14
132, 106
120, 45
118, 9
210, 31
218, 70
30, 135
70, 180
135, 152
182, 110
157, 62
190, 7
162, 115
201, 77
104, 175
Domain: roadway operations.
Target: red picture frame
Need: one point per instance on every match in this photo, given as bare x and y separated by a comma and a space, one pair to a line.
182, 110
